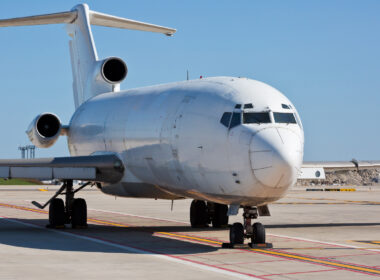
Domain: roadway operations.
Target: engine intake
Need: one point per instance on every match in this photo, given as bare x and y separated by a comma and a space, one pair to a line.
44, 130
114, 70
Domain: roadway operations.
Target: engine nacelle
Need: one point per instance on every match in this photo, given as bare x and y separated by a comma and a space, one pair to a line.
113, 70
105, 76
44, 130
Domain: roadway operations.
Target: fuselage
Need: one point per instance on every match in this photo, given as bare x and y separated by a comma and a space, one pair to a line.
224, 139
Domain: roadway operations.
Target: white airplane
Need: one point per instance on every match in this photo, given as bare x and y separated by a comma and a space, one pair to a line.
226, 142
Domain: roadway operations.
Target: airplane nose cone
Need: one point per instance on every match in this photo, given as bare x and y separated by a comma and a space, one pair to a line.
276, 157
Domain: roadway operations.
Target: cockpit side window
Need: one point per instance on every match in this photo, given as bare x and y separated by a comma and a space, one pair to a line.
284, 118
225, 120
231, 120
256, 117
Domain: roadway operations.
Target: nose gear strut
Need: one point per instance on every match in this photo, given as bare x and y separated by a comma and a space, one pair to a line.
255, 232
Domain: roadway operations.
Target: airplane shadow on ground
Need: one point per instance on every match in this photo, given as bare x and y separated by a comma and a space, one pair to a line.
96, 238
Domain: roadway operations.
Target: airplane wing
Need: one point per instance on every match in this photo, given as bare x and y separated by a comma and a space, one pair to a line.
98, 168
317, 169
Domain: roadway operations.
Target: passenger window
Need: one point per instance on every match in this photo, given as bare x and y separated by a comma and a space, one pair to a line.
235, 121
248, 106
238, 106
261, 117
284, 118
225, 120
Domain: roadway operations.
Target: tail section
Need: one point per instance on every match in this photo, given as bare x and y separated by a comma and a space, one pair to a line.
91, 76
83, 55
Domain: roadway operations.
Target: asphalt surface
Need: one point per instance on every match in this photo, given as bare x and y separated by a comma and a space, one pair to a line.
315, 235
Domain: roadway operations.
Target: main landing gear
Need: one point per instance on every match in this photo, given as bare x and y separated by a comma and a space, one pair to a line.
73, 211
202, 214
255, 232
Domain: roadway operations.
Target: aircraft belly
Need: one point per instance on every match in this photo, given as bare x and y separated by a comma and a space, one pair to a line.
143, 190
140, 190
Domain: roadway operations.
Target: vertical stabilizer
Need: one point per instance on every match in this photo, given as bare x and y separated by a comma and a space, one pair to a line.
83, 53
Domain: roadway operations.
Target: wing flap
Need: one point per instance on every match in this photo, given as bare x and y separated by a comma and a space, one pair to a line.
49, 173
102, 168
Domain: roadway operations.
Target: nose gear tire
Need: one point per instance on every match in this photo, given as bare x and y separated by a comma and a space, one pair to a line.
258, 234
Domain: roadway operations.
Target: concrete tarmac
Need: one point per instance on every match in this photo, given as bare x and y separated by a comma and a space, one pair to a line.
315, 235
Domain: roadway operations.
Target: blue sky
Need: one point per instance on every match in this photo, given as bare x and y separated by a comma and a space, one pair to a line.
323, 55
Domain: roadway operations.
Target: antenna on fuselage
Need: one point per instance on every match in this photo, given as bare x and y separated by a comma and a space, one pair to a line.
187, 74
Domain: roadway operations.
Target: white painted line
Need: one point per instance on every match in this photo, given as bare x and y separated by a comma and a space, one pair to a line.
324, 242
235, 275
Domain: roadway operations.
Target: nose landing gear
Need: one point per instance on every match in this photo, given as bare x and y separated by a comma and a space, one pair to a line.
255, 232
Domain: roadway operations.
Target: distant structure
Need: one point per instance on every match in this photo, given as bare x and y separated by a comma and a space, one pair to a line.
28, 151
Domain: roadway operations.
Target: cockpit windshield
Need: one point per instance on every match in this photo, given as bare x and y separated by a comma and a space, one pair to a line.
284, 118
256, 117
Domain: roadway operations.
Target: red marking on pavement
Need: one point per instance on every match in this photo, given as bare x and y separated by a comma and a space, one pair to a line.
321, 242
327, 265
221, 253
276, 260
300, 272
349, 255
322, 258
223, 268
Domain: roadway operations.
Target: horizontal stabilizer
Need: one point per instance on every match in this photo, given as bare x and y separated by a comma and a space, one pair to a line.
96, 18
118, 22
65, 17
